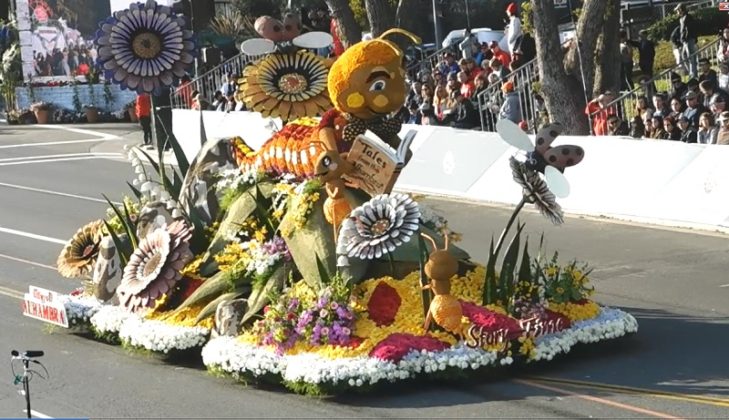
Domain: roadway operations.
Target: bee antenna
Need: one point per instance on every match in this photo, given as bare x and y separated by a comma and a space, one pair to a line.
446, 237
432, 241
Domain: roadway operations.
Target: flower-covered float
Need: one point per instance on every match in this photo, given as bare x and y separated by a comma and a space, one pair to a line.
298, 264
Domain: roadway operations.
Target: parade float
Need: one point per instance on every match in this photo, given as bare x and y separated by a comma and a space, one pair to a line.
298, 264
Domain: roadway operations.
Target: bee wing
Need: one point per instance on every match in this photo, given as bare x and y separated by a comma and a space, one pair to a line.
562, 157
314, 40
557, 182
515, 136
257, 46
546, 136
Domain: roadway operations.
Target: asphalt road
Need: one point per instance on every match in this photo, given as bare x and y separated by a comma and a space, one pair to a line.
674, 282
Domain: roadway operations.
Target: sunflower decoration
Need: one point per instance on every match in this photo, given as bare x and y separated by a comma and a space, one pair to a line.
288, 86
78, 256
154, 267
379, 226
144, 47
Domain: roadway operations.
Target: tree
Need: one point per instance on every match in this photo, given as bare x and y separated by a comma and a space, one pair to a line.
348, 30
567, 76
381, 16
607, 72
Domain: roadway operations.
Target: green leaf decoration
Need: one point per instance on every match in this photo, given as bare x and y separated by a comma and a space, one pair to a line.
489, 295
525, 271
508, 267
211, 288
126, 223
135, 191
323, 272
260, 296
182, 161
123, 256
424, 281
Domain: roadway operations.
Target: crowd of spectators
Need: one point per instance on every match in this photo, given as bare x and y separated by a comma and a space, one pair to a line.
73, 61
448, 95
694, 111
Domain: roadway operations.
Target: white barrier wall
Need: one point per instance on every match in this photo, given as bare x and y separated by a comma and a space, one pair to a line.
650, 181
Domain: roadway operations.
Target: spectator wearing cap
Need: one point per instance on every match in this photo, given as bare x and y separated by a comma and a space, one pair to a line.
484, 54
502, 55
678, 87
688, 133
694, 109
722, 137
513, 31
511, 108
706, 72
448, 65
599, 109
707, 132
687, 36
672, 132
693, 86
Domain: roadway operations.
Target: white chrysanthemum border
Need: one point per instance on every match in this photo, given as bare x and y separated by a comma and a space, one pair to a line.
231, 356
152, 335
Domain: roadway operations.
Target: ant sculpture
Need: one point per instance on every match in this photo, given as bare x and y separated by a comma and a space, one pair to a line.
329, 168
445, 309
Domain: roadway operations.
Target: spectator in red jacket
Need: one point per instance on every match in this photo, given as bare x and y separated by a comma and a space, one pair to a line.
143, 108
599, 107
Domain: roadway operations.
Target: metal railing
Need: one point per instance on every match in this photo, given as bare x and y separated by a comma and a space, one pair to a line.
210, 81
625, 104
430, 62
491, 99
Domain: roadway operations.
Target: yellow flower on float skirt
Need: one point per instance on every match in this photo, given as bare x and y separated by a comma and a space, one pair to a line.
576, 312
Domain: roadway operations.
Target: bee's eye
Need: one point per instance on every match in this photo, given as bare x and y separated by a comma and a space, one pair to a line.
327, 161
378, 86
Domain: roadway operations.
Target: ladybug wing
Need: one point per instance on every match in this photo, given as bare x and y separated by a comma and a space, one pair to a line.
314, 40
562, 157
557, 182
515, 136
546, 136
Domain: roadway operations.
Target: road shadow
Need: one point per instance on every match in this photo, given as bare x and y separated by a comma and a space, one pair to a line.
670, 353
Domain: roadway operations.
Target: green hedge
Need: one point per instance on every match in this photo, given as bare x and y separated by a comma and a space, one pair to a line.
708, 21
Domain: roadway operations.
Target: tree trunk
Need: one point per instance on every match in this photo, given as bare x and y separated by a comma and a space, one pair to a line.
563, 94
406, 13
380, 15
589, 29
607, 71
349, 31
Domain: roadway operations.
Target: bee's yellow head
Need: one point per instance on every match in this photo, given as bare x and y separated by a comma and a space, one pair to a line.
368, 79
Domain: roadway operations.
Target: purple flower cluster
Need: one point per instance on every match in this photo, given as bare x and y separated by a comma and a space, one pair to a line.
278, 326
328, 322
277, 246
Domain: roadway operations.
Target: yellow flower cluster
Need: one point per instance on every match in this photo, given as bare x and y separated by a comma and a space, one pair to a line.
230, 255
185, 317
409, 318
575, 311
306, 121
192, 269
470, 286
300, 209
527, 347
